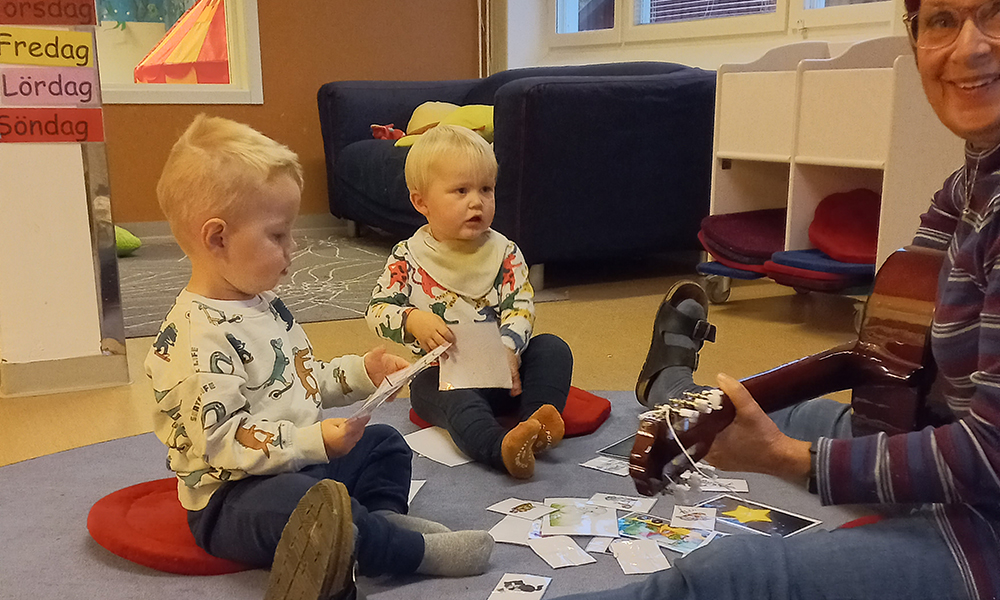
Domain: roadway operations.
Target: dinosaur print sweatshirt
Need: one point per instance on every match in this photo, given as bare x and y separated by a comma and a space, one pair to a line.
485, 280
238, 392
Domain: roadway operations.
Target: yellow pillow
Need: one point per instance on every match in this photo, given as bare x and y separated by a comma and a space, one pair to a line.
428, 115
477, 117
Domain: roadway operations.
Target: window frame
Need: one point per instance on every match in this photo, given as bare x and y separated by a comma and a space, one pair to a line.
789, 16
245, 71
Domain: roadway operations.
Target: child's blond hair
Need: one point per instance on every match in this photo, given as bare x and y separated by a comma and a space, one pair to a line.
452, 142
213, 165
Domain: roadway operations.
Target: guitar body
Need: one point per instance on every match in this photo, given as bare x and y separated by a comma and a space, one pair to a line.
888, 368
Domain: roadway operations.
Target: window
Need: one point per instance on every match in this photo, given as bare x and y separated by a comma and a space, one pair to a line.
585, 15
586, 22
670, 11
129, 29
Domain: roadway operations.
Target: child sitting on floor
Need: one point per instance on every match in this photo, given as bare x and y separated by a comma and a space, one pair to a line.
239, 395
456, 269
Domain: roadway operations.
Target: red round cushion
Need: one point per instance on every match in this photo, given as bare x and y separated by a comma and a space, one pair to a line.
730, 263
758, 233
845, 226
146, 524
584, 413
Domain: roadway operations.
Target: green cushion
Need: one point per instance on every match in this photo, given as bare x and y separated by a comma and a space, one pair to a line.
125, 242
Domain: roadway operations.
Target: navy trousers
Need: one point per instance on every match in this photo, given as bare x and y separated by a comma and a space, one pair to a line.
470, 415
244, 519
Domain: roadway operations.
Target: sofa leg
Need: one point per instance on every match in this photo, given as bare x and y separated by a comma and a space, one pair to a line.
353, 229
536, 277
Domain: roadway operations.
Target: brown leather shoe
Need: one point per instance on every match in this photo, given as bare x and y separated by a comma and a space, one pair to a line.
315, 556
553, 428
517, 449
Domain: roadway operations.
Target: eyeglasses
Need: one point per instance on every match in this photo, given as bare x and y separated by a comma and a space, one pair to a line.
938, 26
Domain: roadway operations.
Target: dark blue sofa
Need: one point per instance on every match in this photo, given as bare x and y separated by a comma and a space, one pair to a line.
599, 160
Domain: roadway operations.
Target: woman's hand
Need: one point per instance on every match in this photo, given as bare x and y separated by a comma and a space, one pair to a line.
514, 362
428, 329
378, 364
752, 442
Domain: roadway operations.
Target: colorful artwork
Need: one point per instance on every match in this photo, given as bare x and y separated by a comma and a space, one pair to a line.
650, 527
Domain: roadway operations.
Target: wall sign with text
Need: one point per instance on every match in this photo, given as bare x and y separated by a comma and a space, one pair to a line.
47, 12
51, 125
50, 89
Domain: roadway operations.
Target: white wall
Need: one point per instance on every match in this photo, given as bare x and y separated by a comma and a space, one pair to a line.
527, 45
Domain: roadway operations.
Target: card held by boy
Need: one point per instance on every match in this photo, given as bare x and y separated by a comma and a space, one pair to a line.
477, 359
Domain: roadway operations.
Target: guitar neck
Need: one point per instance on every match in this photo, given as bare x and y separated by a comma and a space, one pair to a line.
800, 380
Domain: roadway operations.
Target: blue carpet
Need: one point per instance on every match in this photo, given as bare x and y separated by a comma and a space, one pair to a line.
47, 553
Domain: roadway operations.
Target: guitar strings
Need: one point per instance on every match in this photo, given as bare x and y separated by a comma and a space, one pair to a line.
673, 434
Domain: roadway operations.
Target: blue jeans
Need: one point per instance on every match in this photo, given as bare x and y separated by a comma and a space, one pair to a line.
470, 415
903, 557
244, 519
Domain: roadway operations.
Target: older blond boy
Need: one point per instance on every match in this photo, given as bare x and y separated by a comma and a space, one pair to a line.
239, 395
456, 269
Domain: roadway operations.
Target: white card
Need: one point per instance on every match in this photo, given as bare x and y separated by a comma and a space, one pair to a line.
521, 509
560, 551
620, 502
512, 530
639, 556
518, 586
724, 485
607, 465
436, 444
576, 516
477, 359
394, 382
415, 485
599, 545
693, 517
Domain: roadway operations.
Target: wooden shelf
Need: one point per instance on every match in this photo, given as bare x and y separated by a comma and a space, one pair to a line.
796, 126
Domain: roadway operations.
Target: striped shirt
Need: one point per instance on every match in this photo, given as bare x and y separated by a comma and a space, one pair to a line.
955, 467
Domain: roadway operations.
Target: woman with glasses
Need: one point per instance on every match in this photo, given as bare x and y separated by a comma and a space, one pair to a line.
943, 484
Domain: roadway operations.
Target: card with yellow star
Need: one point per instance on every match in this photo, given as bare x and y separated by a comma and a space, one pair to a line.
758, 518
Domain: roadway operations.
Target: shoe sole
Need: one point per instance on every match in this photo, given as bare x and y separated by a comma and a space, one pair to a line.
315, 556
657, 346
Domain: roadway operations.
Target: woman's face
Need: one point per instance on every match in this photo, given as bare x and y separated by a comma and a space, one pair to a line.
962, 80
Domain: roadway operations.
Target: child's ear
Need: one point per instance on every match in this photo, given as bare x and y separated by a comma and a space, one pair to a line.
418, 203
213, 235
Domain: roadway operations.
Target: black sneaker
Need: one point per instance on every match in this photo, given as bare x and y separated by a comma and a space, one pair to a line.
315, 556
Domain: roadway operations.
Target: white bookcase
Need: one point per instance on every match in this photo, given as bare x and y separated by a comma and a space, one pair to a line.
796, 125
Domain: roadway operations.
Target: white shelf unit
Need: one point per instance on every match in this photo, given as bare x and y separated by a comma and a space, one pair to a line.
796, 126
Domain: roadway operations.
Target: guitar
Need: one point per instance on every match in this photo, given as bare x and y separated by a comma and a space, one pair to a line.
888, 368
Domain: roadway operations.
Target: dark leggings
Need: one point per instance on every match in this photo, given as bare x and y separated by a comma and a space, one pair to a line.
470, 415
244, 519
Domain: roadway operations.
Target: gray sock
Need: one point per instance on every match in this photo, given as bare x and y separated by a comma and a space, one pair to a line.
673, 381
456, 554
412, 523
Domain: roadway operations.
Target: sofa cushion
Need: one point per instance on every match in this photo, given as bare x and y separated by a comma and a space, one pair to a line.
370, 186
